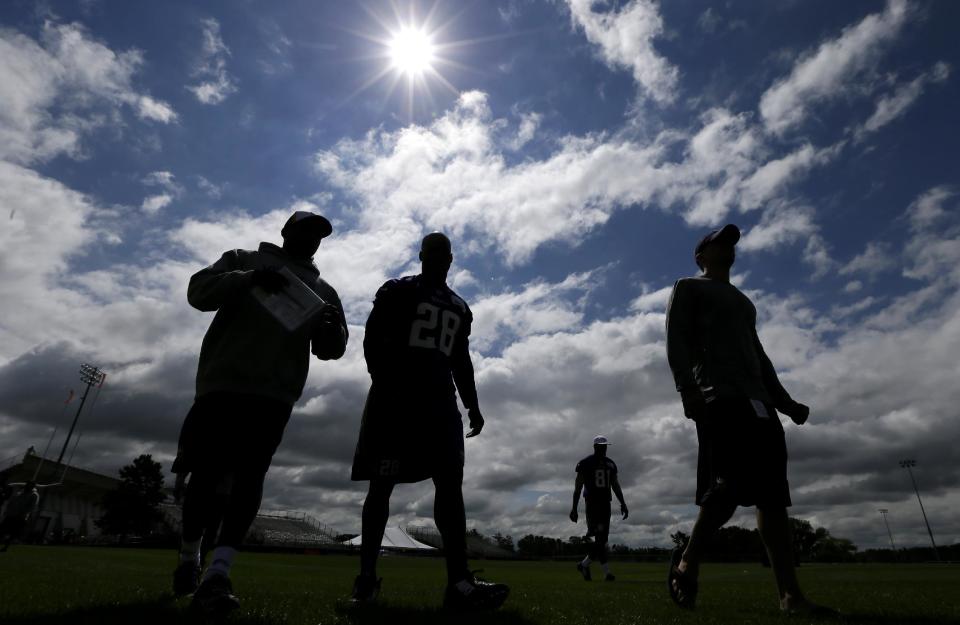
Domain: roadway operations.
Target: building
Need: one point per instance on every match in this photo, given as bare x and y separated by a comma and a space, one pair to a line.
69, 497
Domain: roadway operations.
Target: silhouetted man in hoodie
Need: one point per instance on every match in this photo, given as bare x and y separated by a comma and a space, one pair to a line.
252, 370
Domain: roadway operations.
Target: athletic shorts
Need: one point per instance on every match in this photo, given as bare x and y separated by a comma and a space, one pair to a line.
406, 439
742, 458
598, 519
224, 432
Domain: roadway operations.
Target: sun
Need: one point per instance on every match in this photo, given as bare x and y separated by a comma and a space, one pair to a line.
412, 51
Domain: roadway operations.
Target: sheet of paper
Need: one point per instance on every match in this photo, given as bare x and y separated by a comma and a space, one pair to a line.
294, 305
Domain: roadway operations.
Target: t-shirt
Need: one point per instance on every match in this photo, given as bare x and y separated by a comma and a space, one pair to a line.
417, 342
598, 474
712, 343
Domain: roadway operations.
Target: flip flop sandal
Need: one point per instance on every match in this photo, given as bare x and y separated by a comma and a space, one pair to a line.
684, 593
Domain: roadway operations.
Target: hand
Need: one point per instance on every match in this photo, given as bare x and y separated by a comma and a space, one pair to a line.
623, 511
269, 279
573, 515
476, 422
798, 413
694, 406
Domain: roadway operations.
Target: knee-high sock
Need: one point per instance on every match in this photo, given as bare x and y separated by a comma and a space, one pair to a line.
451, 520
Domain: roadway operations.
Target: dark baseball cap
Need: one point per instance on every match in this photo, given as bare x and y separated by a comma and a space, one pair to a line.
729, 234
317, 224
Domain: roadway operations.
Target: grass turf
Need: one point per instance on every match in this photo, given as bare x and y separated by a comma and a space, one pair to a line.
63, 585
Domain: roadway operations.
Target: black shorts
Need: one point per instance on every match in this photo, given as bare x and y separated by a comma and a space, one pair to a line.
598, 519
406, 439
742, 458
231, 431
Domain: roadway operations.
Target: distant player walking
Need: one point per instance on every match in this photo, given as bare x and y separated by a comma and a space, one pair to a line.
252, 370
596, 477
20, 508
417, 351
729, 387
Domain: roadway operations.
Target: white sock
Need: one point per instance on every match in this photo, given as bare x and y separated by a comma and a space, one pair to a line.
585, 562
464, 586
190, 551
606, 569
221, 562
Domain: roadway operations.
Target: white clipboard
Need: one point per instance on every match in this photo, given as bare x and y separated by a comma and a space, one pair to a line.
294, 305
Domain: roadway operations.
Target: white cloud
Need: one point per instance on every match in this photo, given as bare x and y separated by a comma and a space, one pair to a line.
892, 106
625, 39
875, 259
152, 204
452, 175
831, 72
216, 84
782, 226
81, 75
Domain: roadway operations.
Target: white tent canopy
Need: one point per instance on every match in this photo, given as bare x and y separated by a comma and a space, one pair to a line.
393, 538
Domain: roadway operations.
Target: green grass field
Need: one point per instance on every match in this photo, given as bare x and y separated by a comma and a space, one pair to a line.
62, 585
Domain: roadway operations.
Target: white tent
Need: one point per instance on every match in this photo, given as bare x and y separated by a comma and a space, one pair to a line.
393, 538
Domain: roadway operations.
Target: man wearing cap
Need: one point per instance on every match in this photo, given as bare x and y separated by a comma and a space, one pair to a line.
729, 387
417, 350
252, 370
596, 477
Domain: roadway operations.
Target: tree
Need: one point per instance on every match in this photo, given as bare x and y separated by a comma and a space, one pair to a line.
504, 542
133, 507
679, 539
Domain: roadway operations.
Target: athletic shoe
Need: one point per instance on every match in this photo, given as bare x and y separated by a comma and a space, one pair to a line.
214, 596
584, 570
480, 596
365, 589
186, 578
610, 577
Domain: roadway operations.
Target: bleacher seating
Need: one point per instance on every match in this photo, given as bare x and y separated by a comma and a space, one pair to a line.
275, 529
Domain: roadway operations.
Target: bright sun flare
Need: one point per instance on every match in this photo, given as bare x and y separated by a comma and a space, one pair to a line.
411, 52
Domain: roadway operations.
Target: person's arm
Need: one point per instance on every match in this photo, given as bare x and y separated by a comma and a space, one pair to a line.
782, 401
681, 353
577, 487
615, 485
376, 347
330, 334
213, 286
462, 369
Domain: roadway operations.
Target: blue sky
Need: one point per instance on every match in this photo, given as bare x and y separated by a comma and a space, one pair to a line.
574, 151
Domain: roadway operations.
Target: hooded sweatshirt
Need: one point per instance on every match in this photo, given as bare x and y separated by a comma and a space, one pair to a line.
245, 349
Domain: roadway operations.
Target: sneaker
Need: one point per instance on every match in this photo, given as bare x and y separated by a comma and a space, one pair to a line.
584, 570
610, 577
186, 578
365, 589
482, 595
214, 596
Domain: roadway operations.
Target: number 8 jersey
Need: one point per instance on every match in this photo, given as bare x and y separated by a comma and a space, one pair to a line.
597, 473
417, 345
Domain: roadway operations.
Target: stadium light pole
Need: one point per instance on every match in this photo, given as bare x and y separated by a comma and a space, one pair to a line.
883, 513
89, 375
908, 464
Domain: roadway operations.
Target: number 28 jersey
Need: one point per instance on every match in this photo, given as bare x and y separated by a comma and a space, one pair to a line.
417, 343
597, 473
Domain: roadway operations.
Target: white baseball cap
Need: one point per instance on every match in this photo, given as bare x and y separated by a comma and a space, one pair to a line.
600, 440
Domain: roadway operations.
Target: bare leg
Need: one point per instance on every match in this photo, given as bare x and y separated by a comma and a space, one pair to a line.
376, 511
712, 516
774, 529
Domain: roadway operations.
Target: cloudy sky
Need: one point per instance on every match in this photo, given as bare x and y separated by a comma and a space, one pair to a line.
574, 151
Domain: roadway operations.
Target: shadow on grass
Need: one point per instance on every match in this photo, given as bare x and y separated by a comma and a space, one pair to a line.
382, 613
891, 619
162, 611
